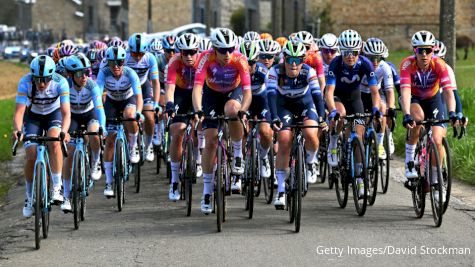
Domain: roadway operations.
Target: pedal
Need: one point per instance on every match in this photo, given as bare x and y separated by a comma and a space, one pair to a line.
408, 184
280, 207
55, 202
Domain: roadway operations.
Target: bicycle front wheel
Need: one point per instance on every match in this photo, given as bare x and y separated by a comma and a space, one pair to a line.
360, 187
219, 190
446, 172
46, 208
76, 190
38, 199
119, 173
190, 172
436, 193
385, 164
339, 176
268, 183
300, 175
372, 166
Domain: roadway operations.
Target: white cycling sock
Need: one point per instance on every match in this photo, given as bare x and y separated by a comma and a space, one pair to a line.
263, 151
237, 146
311, 157
57, 182
147, 140
281, 176
380, 137
201, 139
28, 187
410, 151
198, 155
108, 171
96, 155
133, 140
208, 183
175, 167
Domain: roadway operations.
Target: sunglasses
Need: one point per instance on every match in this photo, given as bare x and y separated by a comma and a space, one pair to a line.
374, 58
39, 80
169, 51
137, 54
224, 51
81, 73
292, 60
266, 56
422, 50
348, 53
328, 51
189, 52
114, 63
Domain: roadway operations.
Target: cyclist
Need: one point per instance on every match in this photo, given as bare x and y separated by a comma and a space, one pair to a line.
145, 65
87, 110
397, 86
329, 50
289, 86
268, 50
343, 96
95, 57
60, 67
222, 85
259, 106
266, 36
179, 85
423, 77
312, 58
155, 47
251, 36
205, 44
123, 99
42, 105
374, 49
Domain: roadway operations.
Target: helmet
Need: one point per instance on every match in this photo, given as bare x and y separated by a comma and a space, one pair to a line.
97, 45
188, 41
50, 51
223, 38
386, 53
305, 37
295, 49
269, 47
61, 65
281, 40
423, 38
115, 53
137, 43
328, 41
205, 44
68, 50
266, 35
116, 42
155, 46
42, 66
440, 50
374, 47
168, 42
250, 49
292, 36
93, 55
251, 36
77, 62
350, 40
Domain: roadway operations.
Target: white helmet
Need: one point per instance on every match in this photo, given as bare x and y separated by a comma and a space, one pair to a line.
374, 47
294, 49
188, 41
223, 38
205, 44
350, 40
423, 38
329, 41
267, 46
305, 37
250, 49
252, 36
440, 50
386, 53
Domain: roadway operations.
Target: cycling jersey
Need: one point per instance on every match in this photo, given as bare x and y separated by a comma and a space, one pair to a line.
46, 101
161, 64
425, 84
223, 78
179, 74
314, 60
258, 79
452, 77
347, 79
146, 68
383, 75
119, 90
396, 79
87, 99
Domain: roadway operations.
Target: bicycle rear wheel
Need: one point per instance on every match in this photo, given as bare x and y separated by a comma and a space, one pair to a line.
300, 175
46, 208
360, 201
38, 199
76, 190
268, 183
190, 172
417, 192
372, 166
446, 172
385, 164
322, 159
251, 180
339, 176
219, 193
435, 188
119, 173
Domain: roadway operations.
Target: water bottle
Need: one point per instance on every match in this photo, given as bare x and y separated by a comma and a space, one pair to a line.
422, 160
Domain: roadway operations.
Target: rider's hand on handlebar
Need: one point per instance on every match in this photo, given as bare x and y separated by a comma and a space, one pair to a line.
391, 113
276, 124
408, 122
453, 119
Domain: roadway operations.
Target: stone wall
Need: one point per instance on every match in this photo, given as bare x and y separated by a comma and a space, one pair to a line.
58, 15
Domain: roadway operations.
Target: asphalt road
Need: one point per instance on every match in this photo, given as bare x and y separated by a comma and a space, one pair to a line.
153, 231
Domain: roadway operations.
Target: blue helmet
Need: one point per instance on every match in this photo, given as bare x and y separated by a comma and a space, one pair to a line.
168, 42
77, 62
115, 53
42, 66
137, 43
61, 65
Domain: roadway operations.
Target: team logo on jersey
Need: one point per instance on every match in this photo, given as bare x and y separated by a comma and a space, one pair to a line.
304, 113
212, 113
435, 112
355, 78
330, 73
264, 112
406, 64
214, 70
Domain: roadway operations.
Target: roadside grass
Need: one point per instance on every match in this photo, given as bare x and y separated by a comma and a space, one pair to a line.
10, 75
463, 150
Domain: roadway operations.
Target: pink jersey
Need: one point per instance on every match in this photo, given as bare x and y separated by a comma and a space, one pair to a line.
223, 78
314, 60
425, 84
179, 74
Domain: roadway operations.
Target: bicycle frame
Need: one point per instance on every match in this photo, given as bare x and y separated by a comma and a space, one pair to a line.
121, 136
43, 159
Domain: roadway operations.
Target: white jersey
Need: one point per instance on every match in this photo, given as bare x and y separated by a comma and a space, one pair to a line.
383, 74
126, 86
145, 68
452, 76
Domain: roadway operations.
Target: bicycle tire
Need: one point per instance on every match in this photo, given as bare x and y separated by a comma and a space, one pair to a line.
322, 156
300, 175
219, 191
84, 185
158, 156
360, 203
339, 176
447, 172
372, 165
38, 199
385, 165
268, 183
436, 205
418, 195
137, 174
75, 188
46, 204
119, 173
190, 172
252, 179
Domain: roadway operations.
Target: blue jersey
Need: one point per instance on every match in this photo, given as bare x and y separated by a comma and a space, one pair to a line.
305, 81
46, 101
146, 68
161, 64
258, 79
119, 89
87, 98
347, 79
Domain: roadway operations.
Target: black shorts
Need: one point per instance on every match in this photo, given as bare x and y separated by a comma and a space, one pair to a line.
259, 107
147, 93
183, 104
288, 107
214, 102
351, 101
434, 108
84, 119
115, 109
